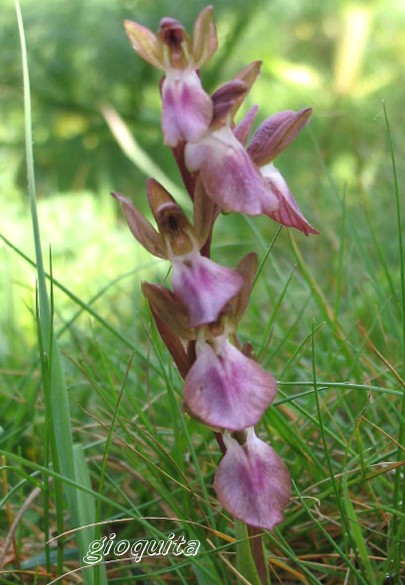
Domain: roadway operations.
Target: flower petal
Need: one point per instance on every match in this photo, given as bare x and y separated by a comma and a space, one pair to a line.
288, 212
204, 287
243, 129
169, 308
248, 75
224, 98
275, 134
158, 196
228, 174
204, 215
176, 231
187, 109
173, 344
252, 482
174, 43
145, 43
228, 390
205, 41
140, 227
247, 268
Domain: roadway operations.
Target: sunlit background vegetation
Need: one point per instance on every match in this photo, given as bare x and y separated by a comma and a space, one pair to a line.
96, 119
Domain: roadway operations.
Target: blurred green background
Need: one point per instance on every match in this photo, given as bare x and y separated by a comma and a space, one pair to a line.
342, 58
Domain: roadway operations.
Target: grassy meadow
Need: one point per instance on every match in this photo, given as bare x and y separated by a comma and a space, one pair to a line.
93, 439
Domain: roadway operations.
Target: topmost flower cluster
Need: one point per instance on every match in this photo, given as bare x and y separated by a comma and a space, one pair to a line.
202, 131
224, 387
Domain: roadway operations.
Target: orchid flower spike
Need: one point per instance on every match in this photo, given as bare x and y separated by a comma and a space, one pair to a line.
252, 482
203, 286
187, 109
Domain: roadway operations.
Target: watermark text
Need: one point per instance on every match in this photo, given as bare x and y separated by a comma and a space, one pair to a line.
108, 545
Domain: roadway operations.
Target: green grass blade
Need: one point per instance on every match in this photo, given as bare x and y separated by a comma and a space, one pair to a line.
86, 510
244, 559
356, 534
331, 541
395, 549
56, 397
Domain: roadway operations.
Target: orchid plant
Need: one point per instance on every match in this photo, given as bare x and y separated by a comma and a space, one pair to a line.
224, 386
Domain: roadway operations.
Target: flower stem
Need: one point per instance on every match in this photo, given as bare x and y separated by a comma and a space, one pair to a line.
259, 554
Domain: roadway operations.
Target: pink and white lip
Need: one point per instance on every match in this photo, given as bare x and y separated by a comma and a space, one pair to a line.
224, 388
252, 482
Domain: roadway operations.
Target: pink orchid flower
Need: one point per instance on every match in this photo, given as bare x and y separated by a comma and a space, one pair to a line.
245, 180
187, 108
203, 286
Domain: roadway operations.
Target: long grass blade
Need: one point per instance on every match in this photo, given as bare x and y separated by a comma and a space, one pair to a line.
55, 390
398, 528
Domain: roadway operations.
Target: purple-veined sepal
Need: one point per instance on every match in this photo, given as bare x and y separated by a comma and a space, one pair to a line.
141, 228
275, 134
205, 40
167, 305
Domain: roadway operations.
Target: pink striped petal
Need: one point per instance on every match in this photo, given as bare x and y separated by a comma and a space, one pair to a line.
225, 97
288, 212
229, 176
275, 134
252, 482
204, 287
226, 389
243, 129
187, 109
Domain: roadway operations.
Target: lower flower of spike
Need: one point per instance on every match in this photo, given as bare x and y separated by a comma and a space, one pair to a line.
252, 482
225, 389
